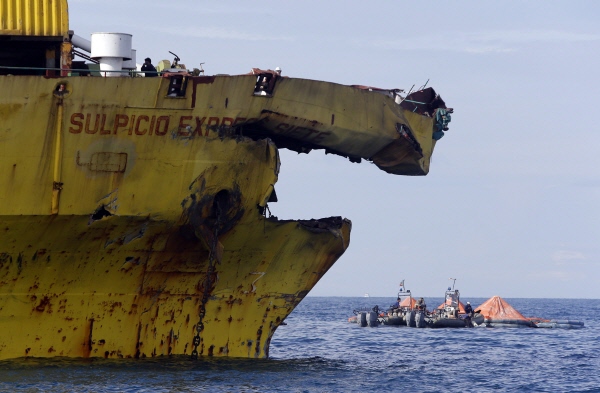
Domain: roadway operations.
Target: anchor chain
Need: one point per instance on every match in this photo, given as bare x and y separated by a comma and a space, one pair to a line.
208, 282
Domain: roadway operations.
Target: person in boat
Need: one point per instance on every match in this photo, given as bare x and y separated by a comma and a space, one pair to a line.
469, 314
148, 69
421, 304
469, 309
452, 298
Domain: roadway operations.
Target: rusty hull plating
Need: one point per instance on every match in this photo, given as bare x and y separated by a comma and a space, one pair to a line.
132, 210
114, 284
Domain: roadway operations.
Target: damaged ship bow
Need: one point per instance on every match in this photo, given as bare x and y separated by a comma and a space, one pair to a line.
132, 209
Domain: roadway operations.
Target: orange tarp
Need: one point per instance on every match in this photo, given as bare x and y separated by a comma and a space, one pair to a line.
461, 306
497, 308
408, 302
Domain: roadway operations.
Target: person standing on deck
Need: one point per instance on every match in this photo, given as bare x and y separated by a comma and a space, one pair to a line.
148, 69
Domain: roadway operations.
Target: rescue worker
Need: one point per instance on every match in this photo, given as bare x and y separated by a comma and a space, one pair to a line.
469, 309
469, 314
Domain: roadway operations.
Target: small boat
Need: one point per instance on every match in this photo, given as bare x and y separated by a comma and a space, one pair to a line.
452, 313
447, 314
401, 312
494, 312
407, 311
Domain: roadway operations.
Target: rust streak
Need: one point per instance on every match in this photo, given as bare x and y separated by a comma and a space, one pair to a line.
87, 345
257, 347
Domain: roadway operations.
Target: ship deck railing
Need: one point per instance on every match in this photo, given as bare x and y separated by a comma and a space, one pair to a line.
55, 72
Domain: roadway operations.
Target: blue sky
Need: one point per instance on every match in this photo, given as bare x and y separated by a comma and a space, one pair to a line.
511, 205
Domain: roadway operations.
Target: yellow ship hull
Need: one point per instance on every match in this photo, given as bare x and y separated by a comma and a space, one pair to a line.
112, 243
132, 220
69, 289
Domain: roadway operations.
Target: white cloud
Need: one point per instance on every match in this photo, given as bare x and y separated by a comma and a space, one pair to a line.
222, 33
487, 49
563, 256
553, 275
528, 36
482, 42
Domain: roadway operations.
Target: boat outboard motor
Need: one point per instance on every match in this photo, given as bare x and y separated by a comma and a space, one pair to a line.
361, 319
372, 320
420, 319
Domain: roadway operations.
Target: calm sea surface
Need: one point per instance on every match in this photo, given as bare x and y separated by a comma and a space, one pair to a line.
319, 351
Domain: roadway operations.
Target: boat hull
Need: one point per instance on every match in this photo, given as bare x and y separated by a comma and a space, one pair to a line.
394, 320
107, 298
113, 243
448, 323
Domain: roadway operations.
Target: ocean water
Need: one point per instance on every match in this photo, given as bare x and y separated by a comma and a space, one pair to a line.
319, 351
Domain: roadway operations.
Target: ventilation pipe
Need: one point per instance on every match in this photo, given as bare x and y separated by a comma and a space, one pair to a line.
111, 49
130, 64
81, 43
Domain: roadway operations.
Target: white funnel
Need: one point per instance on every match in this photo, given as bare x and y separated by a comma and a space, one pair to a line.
110, 49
